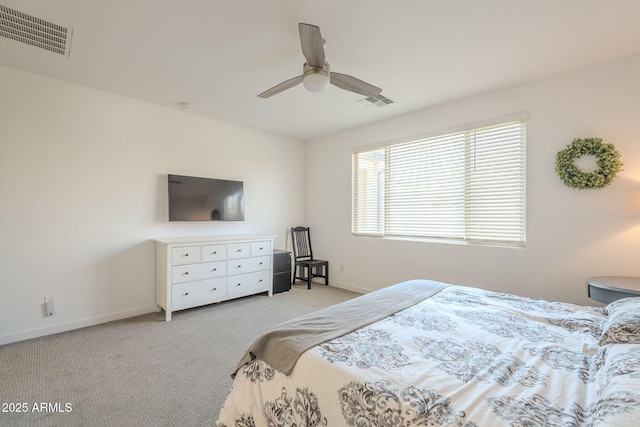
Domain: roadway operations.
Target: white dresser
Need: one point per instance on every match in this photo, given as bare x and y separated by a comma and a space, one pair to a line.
194, 271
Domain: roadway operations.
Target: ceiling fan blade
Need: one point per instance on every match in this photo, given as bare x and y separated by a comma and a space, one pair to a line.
312, 44
350, 83
287, 84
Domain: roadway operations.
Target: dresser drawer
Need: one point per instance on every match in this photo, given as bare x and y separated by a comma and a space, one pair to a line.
198, 293
214, 252
247, 284
247, 265
238, 250
260, 248
239, 266
185, 255
260, 263
193, 272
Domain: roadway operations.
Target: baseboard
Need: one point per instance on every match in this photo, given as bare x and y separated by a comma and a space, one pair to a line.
74, 324
351, 288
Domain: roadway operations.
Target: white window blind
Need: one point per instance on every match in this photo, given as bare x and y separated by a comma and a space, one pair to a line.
463, 186
367, 193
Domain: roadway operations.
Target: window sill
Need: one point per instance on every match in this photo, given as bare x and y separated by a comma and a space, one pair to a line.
512, 245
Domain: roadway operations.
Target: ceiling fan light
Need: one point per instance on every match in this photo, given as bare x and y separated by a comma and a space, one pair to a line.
316, 82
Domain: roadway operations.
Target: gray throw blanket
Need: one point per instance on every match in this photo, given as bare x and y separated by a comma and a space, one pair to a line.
281, 347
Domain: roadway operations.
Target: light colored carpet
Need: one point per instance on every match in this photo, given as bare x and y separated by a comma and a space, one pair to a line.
144, 371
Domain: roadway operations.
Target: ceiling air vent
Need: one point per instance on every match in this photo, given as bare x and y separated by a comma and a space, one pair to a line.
34, 31
379, 101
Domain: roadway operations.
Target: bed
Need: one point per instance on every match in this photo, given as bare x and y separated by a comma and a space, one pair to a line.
423, 353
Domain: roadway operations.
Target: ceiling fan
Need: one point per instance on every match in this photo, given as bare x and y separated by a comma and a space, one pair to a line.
316, 76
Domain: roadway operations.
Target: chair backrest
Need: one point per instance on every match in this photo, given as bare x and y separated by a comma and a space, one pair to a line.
301, 242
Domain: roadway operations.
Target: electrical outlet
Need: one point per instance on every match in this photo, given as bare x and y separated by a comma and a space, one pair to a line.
50, 305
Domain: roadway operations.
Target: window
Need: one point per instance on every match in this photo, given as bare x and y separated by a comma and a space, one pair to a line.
466, 186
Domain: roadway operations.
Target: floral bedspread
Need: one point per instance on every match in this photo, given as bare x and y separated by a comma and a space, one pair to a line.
464, 357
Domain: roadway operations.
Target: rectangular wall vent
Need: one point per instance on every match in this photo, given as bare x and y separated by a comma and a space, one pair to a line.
34, 31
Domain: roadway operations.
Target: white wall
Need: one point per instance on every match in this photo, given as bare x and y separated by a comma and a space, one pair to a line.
571, 234
83, 193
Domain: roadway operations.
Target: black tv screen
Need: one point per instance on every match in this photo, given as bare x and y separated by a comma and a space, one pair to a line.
205, 199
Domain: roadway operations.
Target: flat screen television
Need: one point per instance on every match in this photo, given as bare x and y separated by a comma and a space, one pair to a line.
205, 199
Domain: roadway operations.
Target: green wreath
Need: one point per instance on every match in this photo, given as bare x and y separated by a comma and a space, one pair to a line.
608, 161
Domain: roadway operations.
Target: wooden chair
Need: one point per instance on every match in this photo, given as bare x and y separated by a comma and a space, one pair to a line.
305, 267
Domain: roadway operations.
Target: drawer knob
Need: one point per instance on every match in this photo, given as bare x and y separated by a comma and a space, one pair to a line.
186, 254
239, 250
260, 281
214, 289
260, 263
238, 284
214, 253
215, 269
186, 294
186, 273
240, 266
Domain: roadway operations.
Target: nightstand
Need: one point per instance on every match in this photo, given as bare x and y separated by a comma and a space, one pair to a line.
607, 289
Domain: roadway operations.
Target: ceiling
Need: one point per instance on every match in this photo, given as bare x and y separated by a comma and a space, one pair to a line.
218, 55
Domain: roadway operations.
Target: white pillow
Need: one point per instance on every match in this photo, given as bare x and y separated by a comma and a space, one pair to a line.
623, 324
